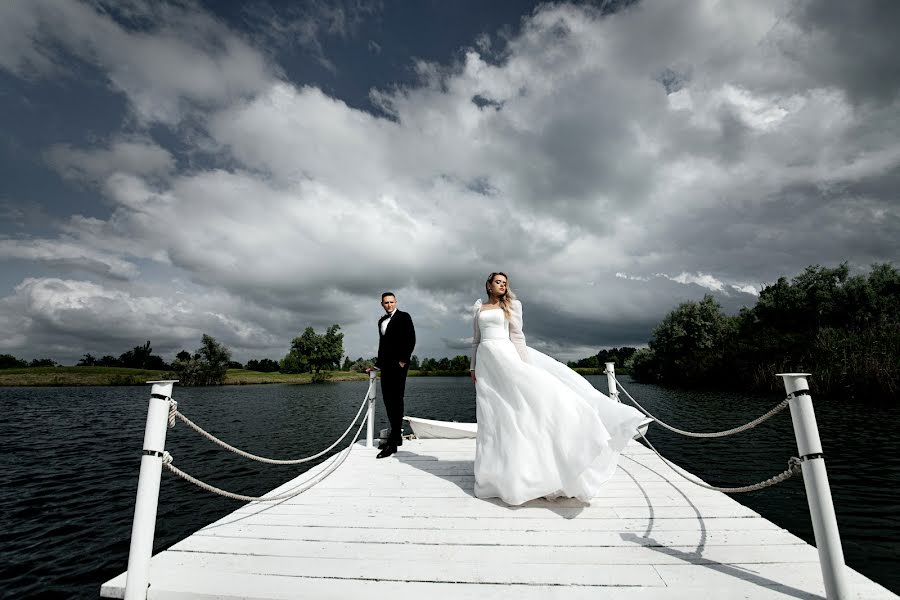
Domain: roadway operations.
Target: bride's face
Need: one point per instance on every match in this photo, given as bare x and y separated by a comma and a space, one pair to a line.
497, 286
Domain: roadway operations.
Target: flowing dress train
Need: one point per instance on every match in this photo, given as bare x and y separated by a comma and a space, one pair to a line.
543, 429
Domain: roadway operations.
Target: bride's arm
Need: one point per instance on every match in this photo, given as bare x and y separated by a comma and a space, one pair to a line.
476, 334
516, 334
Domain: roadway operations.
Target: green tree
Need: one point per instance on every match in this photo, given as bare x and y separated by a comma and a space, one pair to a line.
414, 363
688, 345
207, 366
8, 361
845, 329
642, 365
265, 365
313, 352
142, 357
361, 364
108, 360
88, 360
43, 362
459, 363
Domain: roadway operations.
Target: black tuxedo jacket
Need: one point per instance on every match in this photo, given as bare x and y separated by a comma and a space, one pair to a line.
398, 341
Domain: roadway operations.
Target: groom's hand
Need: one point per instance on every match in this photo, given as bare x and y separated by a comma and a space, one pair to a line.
402, 364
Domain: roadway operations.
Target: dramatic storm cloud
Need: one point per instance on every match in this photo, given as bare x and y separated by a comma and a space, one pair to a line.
613, 163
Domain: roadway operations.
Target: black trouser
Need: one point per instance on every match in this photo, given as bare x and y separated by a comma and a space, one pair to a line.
393, 385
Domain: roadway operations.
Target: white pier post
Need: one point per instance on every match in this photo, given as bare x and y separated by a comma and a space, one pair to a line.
815, 479
370, 416
611, 381
144, 525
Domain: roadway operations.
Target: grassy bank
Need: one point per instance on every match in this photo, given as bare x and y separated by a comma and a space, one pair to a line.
72, 376
63, 376
243, 377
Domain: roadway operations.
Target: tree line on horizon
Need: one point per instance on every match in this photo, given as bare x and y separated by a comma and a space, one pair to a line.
843, 329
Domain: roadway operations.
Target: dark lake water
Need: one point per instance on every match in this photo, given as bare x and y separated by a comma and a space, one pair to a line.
70, 458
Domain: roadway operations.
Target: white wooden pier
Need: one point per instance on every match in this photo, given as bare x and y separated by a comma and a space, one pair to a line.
409, 525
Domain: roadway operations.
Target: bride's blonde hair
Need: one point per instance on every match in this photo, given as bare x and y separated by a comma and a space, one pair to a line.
506, 299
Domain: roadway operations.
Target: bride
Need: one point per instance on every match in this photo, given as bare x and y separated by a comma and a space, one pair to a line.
543, 430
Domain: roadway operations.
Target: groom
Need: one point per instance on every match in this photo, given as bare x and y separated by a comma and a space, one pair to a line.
396, 340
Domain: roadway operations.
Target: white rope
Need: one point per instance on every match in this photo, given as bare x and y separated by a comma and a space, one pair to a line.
793, 469
262, 459
306, 485
716, 434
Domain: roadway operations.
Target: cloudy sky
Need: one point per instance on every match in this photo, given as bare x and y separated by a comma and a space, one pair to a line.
169, 169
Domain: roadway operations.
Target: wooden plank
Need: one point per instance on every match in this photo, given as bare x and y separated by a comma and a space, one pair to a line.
764, 537
501, 524
395, 570
504, 555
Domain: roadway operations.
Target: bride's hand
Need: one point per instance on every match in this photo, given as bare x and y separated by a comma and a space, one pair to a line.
472, 375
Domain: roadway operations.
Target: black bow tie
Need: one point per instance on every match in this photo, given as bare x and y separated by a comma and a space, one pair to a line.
384, 317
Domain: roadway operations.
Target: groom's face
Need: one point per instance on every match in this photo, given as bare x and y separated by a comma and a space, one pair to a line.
388, 303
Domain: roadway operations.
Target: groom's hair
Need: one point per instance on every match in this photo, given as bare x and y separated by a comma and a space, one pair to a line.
388, 294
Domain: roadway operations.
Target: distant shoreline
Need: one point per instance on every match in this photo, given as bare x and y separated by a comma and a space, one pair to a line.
117, 376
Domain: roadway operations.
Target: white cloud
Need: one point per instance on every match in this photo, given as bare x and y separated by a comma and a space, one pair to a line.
68, 253
67, 317
185, 59
131, 156
701, 279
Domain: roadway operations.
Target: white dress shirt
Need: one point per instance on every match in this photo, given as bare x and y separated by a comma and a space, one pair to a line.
384, 323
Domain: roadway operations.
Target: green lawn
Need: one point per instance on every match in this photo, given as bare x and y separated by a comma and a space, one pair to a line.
242, 377
64, 376
46, 376
67, 376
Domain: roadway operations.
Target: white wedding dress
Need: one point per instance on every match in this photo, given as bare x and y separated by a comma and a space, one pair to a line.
543, 429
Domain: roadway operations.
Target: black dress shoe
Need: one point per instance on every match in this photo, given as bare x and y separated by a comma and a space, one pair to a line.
388, 450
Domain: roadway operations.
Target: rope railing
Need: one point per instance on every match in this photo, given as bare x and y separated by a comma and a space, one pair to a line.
793, 463
302, 487
173, 413
793, 469
714, 434
167, 459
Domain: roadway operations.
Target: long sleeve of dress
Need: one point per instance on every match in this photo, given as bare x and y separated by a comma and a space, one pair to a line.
476, 333
516, 335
